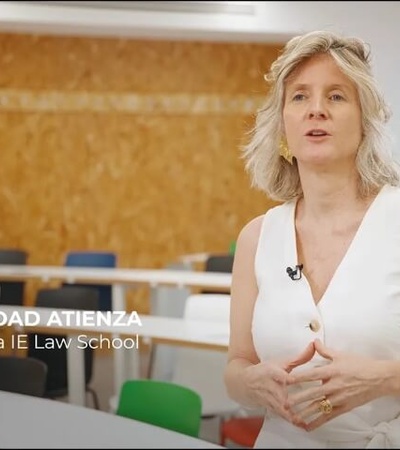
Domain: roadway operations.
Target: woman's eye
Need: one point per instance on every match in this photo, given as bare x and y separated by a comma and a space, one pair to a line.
299, 97
337, 97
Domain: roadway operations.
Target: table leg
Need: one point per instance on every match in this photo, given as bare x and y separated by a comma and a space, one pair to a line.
76, 372
121, 365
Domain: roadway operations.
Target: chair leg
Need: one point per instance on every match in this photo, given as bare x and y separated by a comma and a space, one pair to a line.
95, 397
221, 432
152, 356
221, 438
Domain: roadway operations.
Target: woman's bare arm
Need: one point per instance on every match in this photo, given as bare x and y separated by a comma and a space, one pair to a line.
244, 291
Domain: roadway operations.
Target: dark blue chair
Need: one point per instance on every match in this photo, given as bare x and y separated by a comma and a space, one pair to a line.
94, 259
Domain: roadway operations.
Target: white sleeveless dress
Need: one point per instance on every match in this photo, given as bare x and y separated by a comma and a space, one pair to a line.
358, 313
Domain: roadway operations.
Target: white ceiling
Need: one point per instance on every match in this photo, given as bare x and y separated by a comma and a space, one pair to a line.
199, 7
205, 20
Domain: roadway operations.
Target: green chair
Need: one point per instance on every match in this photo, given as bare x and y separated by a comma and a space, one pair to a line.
162, 403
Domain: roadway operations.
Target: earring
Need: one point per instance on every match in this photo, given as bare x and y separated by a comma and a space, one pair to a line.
284, 151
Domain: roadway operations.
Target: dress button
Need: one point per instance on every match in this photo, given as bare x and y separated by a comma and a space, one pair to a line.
314, 325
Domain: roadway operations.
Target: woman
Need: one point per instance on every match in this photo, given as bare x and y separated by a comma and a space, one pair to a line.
315, 313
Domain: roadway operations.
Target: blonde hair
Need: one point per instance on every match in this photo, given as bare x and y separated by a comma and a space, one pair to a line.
273, 174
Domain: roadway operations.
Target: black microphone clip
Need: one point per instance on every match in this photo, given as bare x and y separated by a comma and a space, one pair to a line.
295, 274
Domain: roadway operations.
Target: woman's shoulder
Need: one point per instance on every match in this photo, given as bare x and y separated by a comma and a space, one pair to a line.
251, 230
250, 233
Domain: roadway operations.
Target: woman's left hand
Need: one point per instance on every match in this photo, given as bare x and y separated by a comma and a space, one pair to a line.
347, 381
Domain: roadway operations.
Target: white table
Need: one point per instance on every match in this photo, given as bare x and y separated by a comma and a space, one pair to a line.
120, 279
193, 258
32, 422
167, 330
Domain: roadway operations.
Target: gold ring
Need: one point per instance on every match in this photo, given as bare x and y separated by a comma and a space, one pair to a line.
325, 406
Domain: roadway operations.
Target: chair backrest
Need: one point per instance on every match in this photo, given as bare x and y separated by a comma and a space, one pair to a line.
208, 307
12, 292
64, 297
200, 369
161, 403
95, 259
218, 263
23, 375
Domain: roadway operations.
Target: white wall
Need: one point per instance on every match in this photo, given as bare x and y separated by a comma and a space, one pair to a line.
376, 22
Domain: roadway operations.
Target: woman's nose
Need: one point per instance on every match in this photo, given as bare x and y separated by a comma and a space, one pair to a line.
317, 114
317, 111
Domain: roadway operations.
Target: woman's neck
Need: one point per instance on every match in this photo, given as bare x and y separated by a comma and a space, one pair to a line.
328, 195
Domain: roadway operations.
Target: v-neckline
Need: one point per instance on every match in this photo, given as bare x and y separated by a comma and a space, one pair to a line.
345, 257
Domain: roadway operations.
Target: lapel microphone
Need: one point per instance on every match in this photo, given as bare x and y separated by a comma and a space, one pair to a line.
295, 274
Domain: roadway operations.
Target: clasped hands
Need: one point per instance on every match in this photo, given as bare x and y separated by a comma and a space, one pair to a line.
345, 382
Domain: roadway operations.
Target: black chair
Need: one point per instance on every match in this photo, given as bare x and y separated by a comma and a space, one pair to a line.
12, 292
64, 297
218, 263
23, 375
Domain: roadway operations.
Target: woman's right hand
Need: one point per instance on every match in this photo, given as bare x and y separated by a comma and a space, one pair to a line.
267, 383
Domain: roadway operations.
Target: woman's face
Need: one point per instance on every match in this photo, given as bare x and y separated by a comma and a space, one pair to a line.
322, 114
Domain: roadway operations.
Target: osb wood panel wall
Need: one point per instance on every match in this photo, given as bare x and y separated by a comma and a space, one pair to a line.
126, 145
